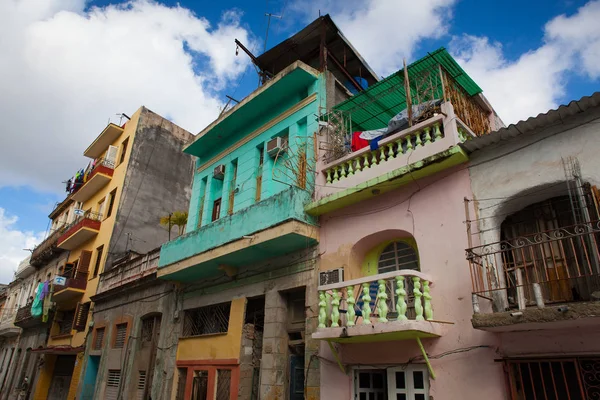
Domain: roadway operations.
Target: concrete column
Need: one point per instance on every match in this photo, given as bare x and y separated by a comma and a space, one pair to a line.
273, 368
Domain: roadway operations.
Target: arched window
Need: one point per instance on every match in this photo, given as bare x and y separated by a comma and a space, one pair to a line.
397, 255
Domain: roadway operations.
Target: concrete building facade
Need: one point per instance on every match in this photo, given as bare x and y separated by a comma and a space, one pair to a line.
136, 176
534, 252
248, 263
394, 294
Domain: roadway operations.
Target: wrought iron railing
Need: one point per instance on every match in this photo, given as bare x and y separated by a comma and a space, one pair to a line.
554, 266
47, 248
393, 296
129, 271
74, 280
102, 162
89, 215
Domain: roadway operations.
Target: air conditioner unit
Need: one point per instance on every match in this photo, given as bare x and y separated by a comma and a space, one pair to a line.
331, 277
219, 172
276, 145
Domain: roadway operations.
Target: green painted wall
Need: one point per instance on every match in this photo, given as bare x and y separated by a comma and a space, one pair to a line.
280, 200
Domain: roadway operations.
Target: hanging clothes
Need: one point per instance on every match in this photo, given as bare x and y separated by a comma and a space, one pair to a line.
374, 143
36, 306
45, 289
358, 142
46, 306
375, 133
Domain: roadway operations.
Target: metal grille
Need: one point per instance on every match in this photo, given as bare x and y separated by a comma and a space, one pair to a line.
112, 384
147, 329
223, 384
120, 336
99, 340
66, 322
141, 384
398, 255
200, 386
207, 320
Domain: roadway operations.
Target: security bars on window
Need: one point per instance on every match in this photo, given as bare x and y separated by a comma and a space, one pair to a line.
207, 320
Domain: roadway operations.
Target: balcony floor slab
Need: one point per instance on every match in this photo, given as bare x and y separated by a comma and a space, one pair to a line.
382, 332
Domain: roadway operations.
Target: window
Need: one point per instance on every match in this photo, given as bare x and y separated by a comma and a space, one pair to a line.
81, 316
404, 383
101, 204
120, 336
568, 378
397, 255
123, 151
410, 383
98, 261
99, 339
150, 329
181, 380
113, 382
111, 202
216, 209
223, 384
200, 385
201, 203
207, 320
232, 188
65, 323
141, 384
261, 160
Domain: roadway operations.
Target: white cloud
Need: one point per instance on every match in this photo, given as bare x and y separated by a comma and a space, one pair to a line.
65, 70
535, 82
384, 31
12, 245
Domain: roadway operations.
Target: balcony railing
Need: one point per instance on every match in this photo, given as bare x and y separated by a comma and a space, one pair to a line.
393, 296
74, 280
129, 271
556, 266
391, 149
47, 249
89, 219
94, 179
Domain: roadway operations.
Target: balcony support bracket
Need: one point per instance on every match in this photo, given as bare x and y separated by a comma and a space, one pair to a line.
429, 367
337, 356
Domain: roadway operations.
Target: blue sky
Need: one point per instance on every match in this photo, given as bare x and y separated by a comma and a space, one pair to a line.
72, 65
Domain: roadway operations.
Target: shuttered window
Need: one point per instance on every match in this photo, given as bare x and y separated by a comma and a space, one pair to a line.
120, 336
141, 385
112, 384
181, 380
81, 316
99, 339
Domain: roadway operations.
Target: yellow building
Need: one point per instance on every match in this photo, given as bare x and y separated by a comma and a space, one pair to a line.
136, 175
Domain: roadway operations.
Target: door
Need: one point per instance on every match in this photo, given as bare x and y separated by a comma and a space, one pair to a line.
150, 336
296, 377
111, 156
61, 378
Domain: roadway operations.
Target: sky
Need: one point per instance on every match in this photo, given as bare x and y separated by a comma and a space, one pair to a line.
67, 67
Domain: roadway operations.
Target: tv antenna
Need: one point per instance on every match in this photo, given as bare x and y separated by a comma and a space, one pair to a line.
268, 25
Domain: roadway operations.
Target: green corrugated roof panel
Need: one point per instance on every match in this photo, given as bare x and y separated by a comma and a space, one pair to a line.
373, 108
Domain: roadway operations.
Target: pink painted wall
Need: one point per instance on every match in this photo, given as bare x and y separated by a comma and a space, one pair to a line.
435, 220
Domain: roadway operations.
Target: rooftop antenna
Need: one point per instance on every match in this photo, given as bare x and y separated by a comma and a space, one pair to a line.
268, 25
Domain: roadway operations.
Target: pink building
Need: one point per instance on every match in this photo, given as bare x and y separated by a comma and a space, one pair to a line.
395, 297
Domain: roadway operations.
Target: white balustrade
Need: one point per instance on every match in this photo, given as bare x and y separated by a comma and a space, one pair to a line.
390, 148
393, 296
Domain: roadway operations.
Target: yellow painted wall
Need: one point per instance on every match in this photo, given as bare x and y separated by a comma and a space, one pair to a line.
103, 238
106, 228
220, 346
45, 377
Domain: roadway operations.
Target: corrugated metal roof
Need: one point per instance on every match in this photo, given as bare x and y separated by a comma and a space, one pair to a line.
533, 124
373, 108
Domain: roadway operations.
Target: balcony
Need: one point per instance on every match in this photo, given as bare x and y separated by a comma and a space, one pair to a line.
24, 319
270, 228
391, 306
548, 280
98, 177
128, 272
7, 326
48, 249
105, 139
80, 231
74, 287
